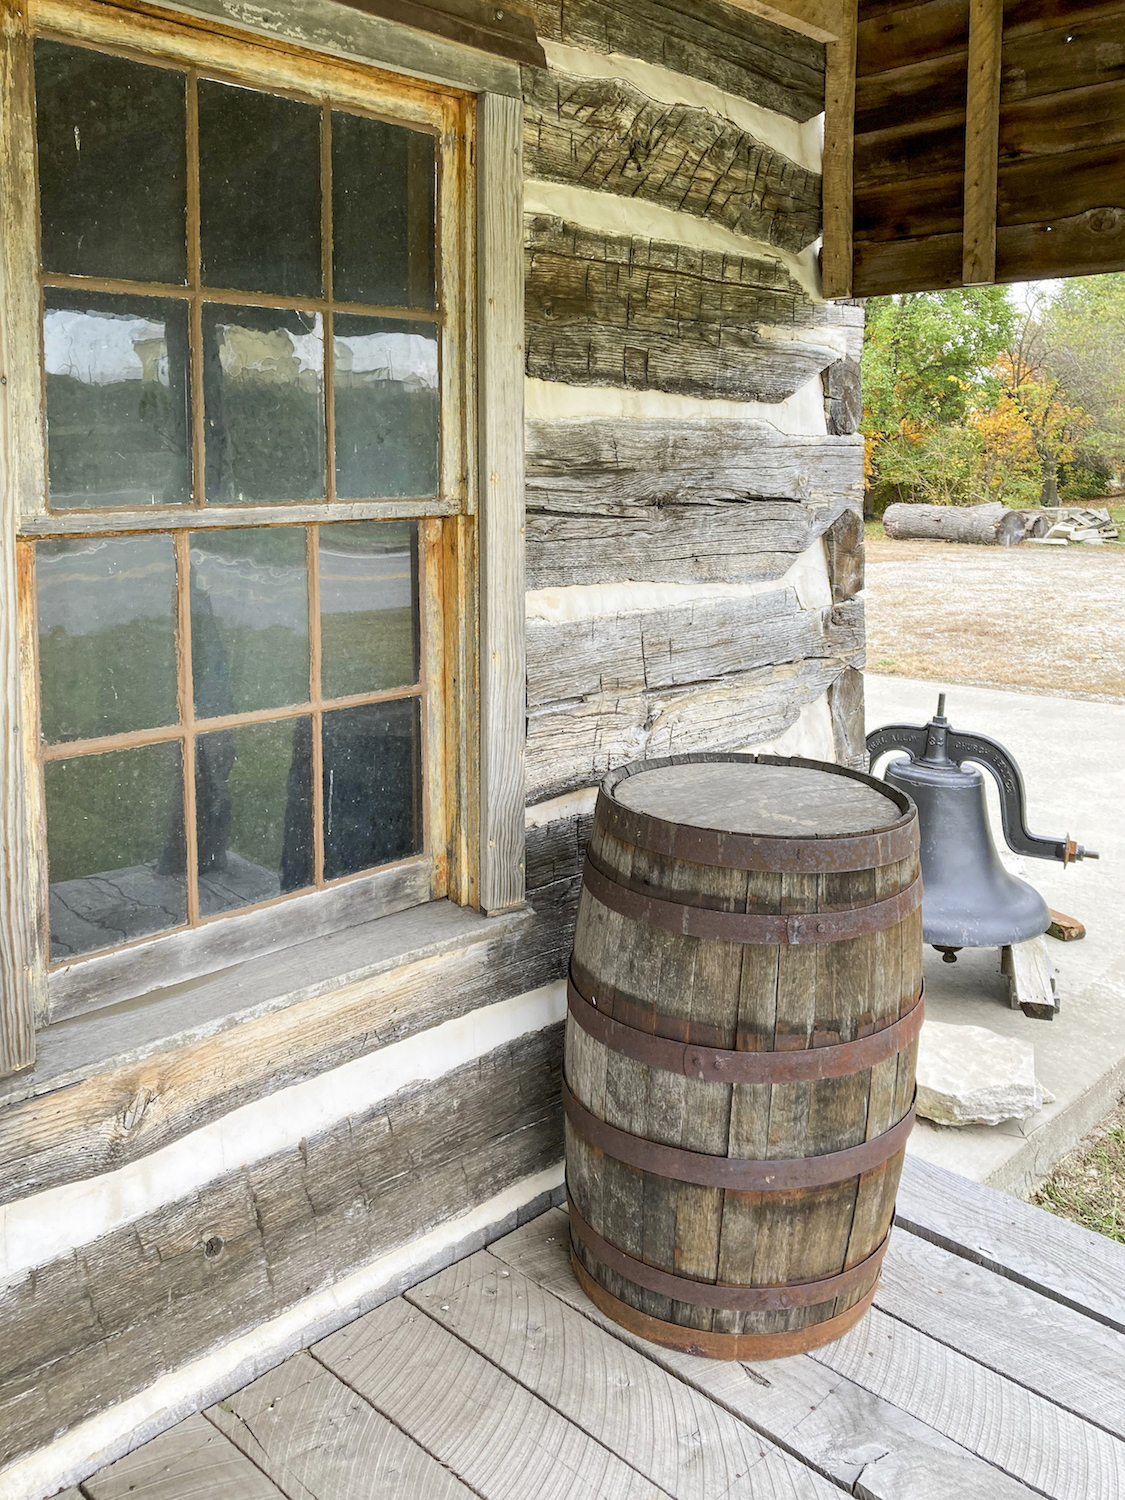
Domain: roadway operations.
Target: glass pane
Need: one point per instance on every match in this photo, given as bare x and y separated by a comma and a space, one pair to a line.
372, 786
115, 848
386, 391
253, 800
112, 165
383, 213
259, 191
249, 620
368, 607
263, 381
107, 635
118, 428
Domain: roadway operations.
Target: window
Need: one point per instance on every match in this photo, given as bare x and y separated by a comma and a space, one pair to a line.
244, 561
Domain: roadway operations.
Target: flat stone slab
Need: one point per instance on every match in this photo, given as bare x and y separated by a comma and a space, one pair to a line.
970, 1076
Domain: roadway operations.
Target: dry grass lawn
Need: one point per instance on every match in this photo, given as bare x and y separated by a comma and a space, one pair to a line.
1038, 619
1088, 1186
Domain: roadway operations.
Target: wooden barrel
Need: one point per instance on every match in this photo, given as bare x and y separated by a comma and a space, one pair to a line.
745, 998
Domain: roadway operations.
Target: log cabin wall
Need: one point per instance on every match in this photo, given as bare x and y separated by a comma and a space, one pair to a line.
694, 482
178, 1212
1060, 180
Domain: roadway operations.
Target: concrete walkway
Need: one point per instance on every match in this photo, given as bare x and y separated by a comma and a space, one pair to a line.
1072, 754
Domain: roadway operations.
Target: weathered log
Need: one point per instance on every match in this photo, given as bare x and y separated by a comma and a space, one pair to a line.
845, 703
843, 542
679, 502
985, 525
606, 134
843, 395
615, 310
740, 53
574, 744
664, 649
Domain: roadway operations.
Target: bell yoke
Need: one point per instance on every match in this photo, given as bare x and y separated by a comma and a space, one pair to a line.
969, 899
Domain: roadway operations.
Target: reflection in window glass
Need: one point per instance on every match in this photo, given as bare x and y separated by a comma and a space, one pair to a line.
385, 376
259, 191
372, 786
118, 429
253, 799
107, 635
368, 607
249, 620
383, 213
263, 375
112, 165
115, 848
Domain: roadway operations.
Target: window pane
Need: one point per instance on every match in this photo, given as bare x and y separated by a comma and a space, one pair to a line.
253, 799
259, 191
383, 196
263, 374
115, 848
368, 607
372, 786
118, 428
112, 165
386, 391
107, 635
249, 620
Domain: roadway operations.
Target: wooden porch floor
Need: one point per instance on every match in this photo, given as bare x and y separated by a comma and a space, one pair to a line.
992, 1366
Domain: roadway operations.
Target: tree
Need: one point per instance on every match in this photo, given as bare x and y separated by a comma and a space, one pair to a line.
1083, 331
927, 355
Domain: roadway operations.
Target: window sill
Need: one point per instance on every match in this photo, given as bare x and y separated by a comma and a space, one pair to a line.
299, 979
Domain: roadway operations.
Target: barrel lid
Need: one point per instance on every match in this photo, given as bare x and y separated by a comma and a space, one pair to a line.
759, 812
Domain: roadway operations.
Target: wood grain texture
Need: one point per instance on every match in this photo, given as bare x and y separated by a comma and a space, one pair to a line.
87, 1125
22, 959
608, 309
95, 1327
679, 501
839, 126
845, 704
1006, 1328
669, 1431
320, 1441
500, 377
982, 142
191, 1461
1000, 1420
574, 744
496, 1436
663, 650
863, 1442
769, 64
607, 135
1047, 1254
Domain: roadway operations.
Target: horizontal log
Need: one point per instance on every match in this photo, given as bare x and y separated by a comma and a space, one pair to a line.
556, 850
575, 744
665, 649
93, 1329
679, 502
606, 134
626, 311
121, 1112
990, 525
739, 53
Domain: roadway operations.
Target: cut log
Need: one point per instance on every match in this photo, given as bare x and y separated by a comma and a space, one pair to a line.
984, 525
606, 134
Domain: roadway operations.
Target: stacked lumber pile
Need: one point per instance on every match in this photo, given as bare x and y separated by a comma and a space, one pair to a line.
1076, 524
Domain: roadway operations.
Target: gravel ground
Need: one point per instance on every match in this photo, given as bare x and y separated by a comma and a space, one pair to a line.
1036, 619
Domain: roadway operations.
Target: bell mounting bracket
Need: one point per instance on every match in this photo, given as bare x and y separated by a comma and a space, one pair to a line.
936, 744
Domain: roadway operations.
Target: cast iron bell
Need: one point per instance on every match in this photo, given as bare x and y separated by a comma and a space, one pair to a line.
969, 900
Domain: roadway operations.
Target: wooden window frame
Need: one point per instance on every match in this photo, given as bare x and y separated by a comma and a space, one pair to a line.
475, 531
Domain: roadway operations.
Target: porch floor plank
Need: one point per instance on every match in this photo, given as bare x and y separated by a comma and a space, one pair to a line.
190, 1462
979, 1373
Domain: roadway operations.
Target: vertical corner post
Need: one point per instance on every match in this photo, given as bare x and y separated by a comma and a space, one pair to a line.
982, 141
839, 138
